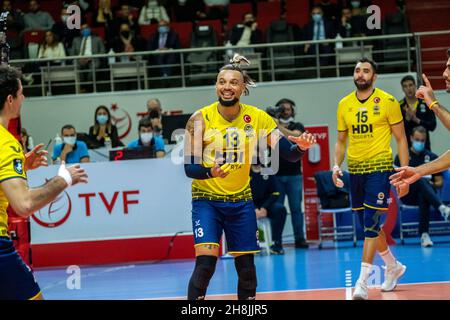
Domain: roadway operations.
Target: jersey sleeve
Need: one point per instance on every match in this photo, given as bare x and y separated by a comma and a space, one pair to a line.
341, 125
394, 112
12, 161
266, 122
159, 144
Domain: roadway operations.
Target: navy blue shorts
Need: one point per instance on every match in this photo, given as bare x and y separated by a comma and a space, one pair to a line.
16, 278
370, 190
236, 219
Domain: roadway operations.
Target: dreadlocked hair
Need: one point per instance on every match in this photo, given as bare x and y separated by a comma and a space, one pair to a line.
235, 64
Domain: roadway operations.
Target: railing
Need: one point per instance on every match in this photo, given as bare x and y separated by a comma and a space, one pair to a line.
199, 66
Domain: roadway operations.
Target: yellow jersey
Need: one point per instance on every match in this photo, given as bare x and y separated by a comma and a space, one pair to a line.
369, 129
235, 142
12, 160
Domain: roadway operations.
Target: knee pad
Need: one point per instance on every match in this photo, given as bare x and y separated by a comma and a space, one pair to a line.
371, 223
246, 270
204, 270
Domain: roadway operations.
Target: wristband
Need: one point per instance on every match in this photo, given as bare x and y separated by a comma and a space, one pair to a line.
65, 174
433, 104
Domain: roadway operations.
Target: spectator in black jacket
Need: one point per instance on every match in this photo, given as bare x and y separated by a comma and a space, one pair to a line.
247, 32
265, 193
319, 28
415, 111
163, 40
103, 132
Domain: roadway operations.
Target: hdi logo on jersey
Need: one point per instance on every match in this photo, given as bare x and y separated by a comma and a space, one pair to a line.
17, 165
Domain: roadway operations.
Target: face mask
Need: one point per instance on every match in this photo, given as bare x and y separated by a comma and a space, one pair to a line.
419, 146
163, 29
249, 23
317, 17
125, 34
286, 121
86, 32
70, 140
356, 4
64, 18
102, 119
146, 137
228, 103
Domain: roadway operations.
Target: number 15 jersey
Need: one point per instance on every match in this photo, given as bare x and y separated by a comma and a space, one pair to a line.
369, 129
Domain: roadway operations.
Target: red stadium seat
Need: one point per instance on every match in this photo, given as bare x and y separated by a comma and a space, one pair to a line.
100, 31
33, 36
148, 30
269, 10
235, 13
184, 30
297, 12
52, 7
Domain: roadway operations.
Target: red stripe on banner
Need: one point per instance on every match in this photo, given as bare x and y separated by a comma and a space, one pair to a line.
112, 251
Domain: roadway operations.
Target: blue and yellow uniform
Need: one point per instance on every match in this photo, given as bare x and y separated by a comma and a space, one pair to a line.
16, 278
369, 152
226, 203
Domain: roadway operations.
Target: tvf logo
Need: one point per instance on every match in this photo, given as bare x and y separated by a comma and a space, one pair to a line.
73, 17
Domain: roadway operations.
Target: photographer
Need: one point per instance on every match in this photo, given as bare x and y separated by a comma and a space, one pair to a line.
289, 175
155, 115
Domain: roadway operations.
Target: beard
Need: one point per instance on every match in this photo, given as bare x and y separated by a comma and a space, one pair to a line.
228, 103
363, 86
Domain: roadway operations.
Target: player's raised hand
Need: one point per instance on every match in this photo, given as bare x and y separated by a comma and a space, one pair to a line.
337, 172
425, 92
305, 141
36, 158
404, 175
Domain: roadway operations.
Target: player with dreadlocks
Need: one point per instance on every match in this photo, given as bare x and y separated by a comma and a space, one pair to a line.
220, 142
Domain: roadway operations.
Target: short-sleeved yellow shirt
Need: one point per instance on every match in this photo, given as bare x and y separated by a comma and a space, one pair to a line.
12, 160
369, 129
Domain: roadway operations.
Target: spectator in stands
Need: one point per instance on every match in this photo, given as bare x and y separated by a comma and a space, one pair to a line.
247, 32
104, 14
103, 130
152, 13
265, 193
37, 19
289, 175
148, 139
189, 10
84, 5
216, 9
127, 41
27, 141
319, 28
71, 150
423, 192
415, 111
15, 24
62, 32
51, 48
86, 45
163, 40
330, 10
155, 114
124, 15
346, 25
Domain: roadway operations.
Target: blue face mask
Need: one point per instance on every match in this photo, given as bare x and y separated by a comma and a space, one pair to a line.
86, 32
163, 29
356, 4
317, 17
419, 146
102, 119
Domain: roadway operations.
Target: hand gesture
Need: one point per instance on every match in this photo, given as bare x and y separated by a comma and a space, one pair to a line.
304, 142
36, 158
403, 178
337, 172
220, 171
67, 149
425, 92
78, 174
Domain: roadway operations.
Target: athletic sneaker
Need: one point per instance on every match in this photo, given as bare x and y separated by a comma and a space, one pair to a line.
425, 240
276, 250
360, 292
446, 213
391, 276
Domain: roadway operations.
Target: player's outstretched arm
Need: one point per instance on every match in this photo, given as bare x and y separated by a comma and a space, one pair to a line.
426, 93
291, 148
25, 201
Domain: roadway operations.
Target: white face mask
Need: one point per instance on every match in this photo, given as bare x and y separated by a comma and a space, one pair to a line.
146, 137
70, 140
289, 120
